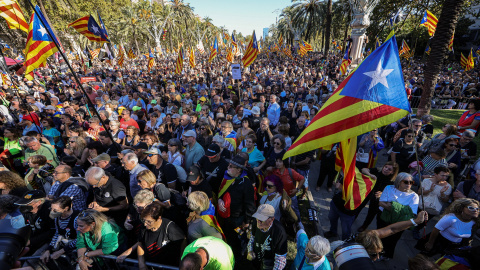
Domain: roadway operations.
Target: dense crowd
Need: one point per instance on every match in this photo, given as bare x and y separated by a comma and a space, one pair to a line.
188, 170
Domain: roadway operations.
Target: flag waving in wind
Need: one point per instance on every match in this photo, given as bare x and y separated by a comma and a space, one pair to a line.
10, 10
251, 52
39, 44
373, 95
345, 63
430, 22
179, 64
214, 50
191, 58
88, 27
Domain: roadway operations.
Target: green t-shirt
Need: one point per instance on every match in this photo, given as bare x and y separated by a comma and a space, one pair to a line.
112, 238
220, 254
44, 150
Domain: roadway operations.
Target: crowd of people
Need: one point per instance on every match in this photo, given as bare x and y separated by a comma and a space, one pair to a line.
188, 170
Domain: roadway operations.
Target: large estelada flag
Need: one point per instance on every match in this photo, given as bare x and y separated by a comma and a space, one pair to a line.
88, 27
179, 63
10, 10
430, 22
372, 96
213, 51
39, 44
356, 186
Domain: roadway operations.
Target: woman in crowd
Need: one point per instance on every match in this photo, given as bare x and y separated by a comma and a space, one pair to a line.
80, 117
403, 152
175, 148
396, 201
12, 151
427, 126
205, 135
202, 221
471, 118
51, 133
11, 183
256, 160
244, 130
161, 240
117, 134
132, 138
33, 179
368, 142
274, 188
147, 180
278, 149
97, 235
454, 229
153, 123
448, 131
150, 139
384, 177
220, 141
453, 155
238, 117
77, 147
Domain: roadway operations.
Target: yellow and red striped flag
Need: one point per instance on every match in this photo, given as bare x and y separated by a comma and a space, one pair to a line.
94, 53
303, 50
213, 51
251, 52
450, 44
463, 60
287, 52
430, 22
371, 96
307, 46
280, 40
179, 64
151, 63
230, 55
345, 63
5, 80
11, 12
131, 54
88, 27
470, 63
356, 186
191, 58
39, 44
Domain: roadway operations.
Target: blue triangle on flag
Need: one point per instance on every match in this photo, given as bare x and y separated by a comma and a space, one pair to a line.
379, 78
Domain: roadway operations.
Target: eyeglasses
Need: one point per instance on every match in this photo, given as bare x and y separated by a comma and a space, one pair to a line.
471, 208
71, 141
147, 222
202, 128
151, 155
270, 186
408, 182
409, 136
277, 143
453, 145
375, 255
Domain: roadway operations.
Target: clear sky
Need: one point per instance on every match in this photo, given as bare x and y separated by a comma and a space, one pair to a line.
242, 15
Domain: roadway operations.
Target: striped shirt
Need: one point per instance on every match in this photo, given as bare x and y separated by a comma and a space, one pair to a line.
429, 164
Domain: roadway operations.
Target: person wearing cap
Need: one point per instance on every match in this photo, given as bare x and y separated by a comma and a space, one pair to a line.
213, 165
193, 151
164, 172
140, 149
267, 247
175, 121
207, 253
127, 120
104, 161
36, 210
196, 179
236, 202
50, 111
110, 195
65, 185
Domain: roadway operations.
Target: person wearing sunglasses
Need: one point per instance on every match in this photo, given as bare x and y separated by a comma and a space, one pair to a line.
403, 151
454, 229
396, 202
453, 155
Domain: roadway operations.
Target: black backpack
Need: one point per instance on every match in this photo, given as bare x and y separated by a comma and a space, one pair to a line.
78, 181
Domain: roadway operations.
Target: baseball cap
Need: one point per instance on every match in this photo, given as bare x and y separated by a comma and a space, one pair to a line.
101, 157
212, 150
203, 99
49, 107
154, 151
140, 145
162, 192
237, 161
136, 108
255, 110
193, 173
29, 196
264, 212
176, 116
189, 133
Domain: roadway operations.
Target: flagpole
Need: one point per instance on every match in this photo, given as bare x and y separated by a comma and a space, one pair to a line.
90, 103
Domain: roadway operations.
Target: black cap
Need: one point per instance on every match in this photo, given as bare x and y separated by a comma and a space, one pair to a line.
162, 192
140, 145
212, 150
237, 161
193, 173
29, 196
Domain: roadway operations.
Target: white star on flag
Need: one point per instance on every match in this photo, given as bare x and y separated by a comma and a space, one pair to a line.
378, 76
95, 29
42, 30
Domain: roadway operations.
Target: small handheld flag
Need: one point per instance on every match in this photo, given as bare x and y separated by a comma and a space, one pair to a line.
430, 22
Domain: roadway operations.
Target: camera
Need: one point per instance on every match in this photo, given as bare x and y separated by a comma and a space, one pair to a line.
12, 242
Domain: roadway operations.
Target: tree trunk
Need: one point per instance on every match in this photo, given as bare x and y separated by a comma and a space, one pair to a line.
328, 26
345, 35
443, 33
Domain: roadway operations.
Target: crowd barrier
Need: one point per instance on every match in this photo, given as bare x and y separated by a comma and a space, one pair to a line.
110, 263
443, 103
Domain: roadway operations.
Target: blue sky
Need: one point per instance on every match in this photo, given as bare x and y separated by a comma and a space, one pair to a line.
241, 15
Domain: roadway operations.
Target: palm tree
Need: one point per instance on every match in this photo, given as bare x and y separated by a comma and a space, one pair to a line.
308, 11
328, 26
439, 45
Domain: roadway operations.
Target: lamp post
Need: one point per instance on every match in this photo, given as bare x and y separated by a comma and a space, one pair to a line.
361, 10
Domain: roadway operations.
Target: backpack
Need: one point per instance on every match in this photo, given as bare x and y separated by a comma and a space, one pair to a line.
78, 181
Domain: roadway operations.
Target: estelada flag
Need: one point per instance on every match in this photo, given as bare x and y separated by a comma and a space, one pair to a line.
356, 186
10, 10
430, 22
463, 60
88, 27
191, 58
179, 63
372, 96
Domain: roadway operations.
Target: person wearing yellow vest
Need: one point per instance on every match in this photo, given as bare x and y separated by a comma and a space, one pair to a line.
236, 203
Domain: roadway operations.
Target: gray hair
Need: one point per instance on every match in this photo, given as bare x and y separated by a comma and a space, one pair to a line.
95, 172
104, 112
198, 201
219, 139
95, 119
29, 139
415, 120
144, 196
320, 245
266, 120
402, 177
427, 118
131, 157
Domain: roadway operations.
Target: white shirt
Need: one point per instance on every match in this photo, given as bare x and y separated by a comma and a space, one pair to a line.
453, 228
391, 194
432, 200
